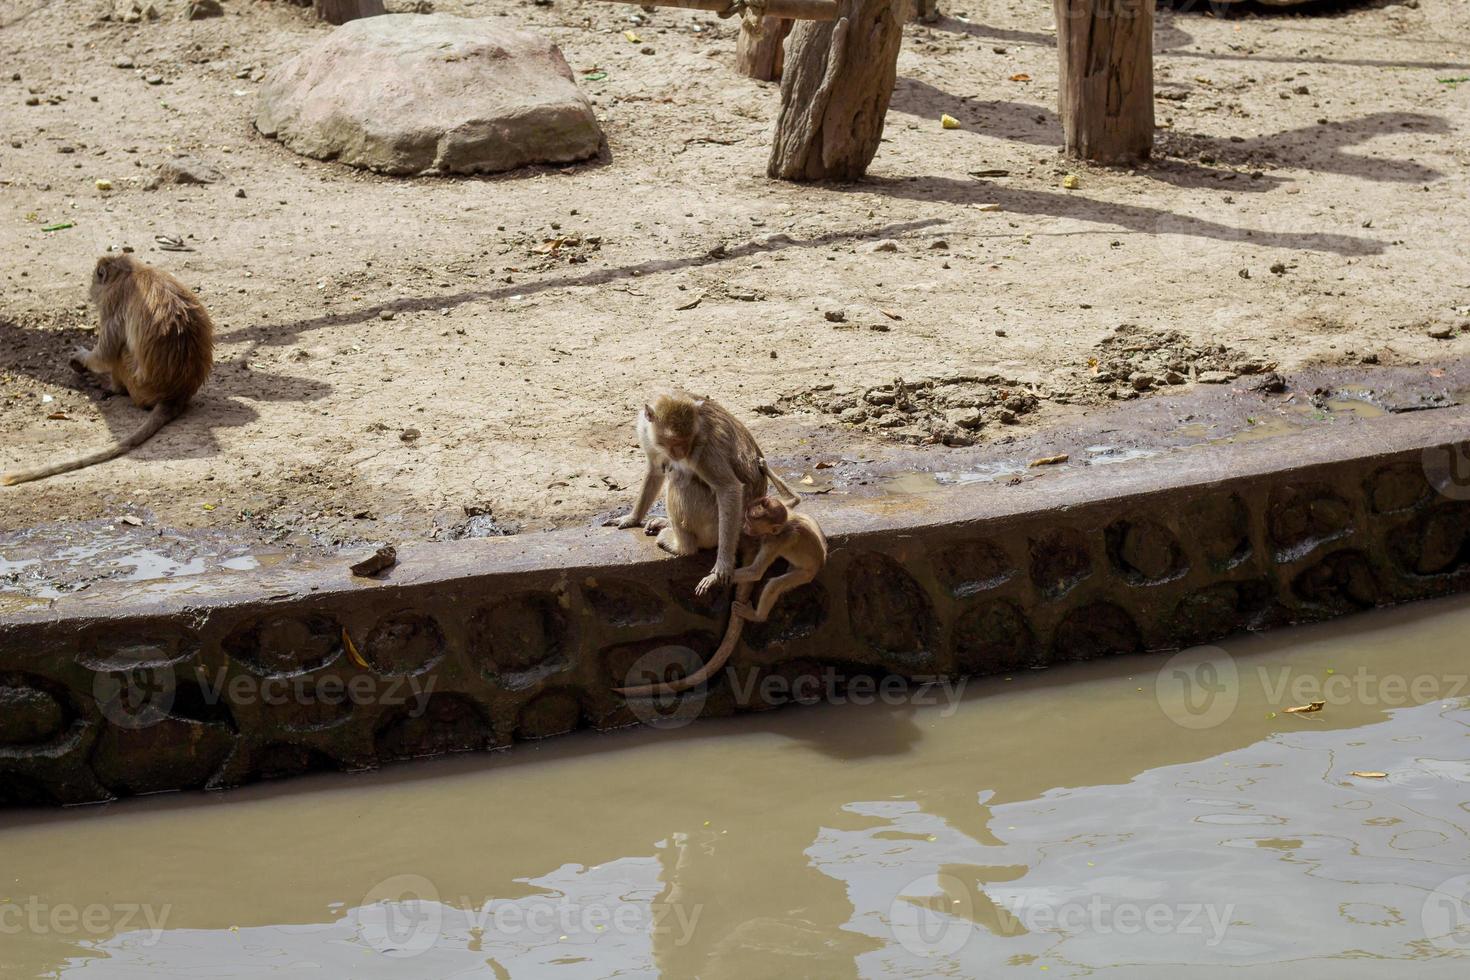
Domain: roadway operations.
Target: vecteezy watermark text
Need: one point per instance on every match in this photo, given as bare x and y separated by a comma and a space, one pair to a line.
141, 697
757, 687
936, 915
38, 917
331, 690
404, 916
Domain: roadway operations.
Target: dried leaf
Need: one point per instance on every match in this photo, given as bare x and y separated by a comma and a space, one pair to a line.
1368, 775
58, 417
1050, 460
1305, 709
351, 649
890, 314
692, 303
1021, 77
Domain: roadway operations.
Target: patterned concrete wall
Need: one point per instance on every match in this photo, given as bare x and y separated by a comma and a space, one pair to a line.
165, 691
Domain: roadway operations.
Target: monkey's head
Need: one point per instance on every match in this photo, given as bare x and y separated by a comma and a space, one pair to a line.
765, 517
110, 270
675, 421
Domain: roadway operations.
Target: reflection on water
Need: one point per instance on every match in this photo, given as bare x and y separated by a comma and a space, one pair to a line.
1145, 817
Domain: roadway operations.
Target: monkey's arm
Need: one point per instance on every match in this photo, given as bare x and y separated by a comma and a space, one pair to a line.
775, 589
728, 498
653, 482
763, 560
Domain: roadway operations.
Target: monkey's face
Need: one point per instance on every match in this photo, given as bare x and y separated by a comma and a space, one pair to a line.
678, 443
678, 449
765, 517
675, 422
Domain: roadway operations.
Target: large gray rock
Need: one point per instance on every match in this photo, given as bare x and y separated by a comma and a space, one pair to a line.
411, 94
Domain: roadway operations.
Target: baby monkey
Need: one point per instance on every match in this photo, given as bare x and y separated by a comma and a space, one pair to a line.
155, 344
782, 534
798, 538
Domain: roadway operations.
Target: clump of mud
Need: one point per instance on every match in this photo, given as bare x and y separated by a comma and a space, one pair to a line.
952, 411
1133, 359
479, 522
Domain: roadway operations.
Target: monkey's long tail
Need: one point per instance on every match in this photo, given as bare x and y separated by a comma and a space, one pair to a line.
727, 647
789, 497
161, 415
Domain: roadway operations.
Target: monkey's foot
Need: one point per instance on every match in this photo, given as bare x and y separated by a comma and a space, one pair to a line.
655, 525
670, 540
741, 609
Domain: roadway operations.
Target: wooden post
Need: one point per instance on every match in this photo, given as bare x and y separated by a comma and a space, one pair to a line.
341, 11
758, 53
835, 89
1107, 78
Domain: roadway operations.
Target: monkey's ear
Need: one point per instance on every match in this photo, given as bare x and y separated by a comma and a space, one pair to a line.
648, 411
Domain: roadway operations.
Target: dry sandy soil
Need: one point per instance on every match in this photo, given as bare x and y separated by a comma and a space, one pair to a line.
1308, 206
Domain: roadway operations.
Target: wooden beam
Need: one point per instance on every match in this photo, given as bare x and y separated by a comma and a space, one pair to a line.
793, 9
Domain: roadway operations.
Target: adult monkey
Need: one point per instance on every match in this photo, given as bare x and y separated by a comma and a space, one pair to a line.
155, 345
713, 469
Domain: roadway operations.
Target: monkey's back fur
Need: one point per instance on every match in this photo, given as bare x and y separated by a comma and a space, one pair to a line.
168, 333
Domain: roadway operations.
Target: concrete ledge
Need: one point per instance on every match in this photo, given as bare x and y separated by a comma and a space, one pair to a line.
222, 679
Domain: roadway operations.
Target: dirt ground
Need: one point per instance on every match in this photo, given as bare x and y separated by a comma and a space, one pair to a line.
410, 358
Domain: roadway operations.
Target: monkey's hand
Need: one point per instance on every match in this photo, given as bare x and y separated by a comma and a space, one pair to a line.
626, 522
718, 577
742, 610
78, 362
655, 525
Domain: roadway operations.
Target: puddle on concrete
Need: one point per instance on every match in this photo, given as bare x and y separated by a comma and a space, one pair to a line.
53, 560
1106, 455
1290, 418
908, 483
1144, 817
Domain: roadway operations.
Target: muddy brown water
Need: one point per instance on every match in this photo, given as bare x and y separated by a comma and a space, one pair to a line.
1138, 817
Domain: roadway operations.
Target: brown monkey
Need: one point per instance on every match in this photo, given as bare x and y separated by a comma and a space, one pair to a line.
796, 537
155, 344
713, 468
